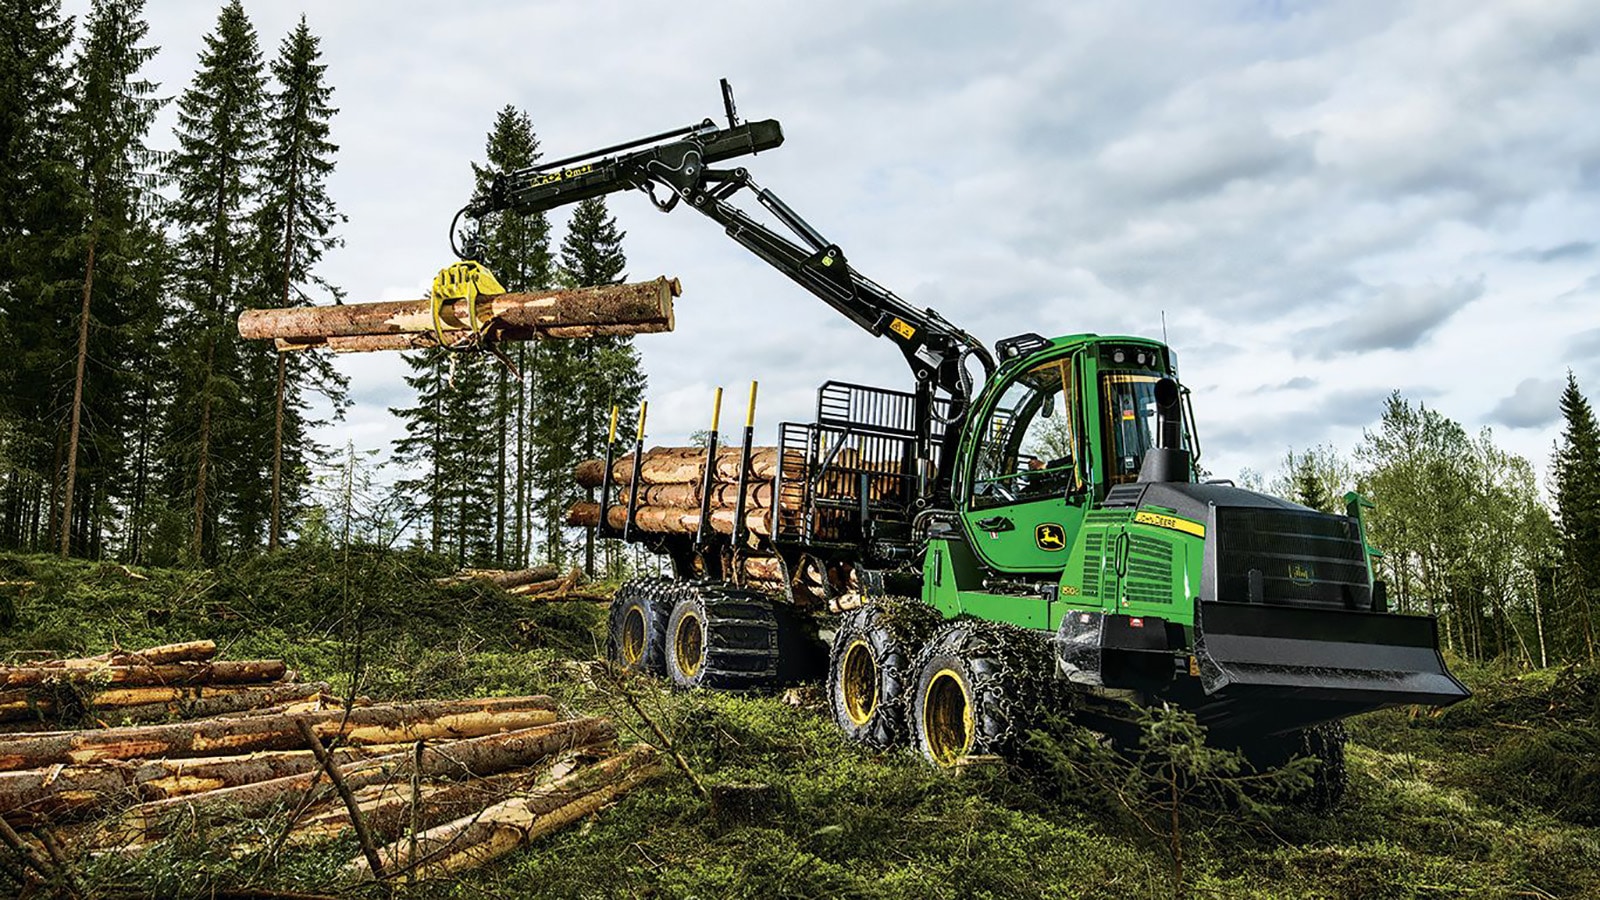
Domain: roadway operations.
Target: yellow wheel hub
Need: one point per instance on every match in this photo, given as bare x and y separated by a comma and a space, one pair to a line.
688, 646
947, 717
858, 682
633, 636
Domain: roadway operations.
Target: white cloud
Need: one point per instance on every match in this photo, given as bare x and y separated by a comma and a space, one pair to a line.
1331, 198
1534, 404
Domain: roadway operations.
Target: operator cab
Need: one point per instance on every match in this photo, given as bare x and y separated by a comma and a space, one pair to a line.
1059, 425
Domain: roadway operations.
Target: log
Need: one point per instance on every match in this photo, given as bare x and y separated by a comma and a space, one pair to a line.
280, 699
553, 312
243, 672
763, 463
431, 719
457, 760
763, 568
680, 465
504, 578
688, 495
368, 343
475, 839
585, 514
188, 651
669, 519
553, 586
146, 702
65, 792
590, 473
388, 811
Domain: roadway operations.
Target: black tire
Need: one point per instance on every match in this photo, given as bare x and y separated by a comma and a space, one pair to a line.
636, 629
722, 638
870, 669
1324, 743
980, 686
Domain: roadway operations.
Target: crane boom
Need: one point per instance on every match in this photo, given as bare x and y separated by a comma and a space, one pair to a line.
681, 162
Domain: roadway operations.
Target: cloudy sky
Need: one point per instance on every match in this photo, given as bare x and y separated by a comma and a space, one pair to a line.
1327, 201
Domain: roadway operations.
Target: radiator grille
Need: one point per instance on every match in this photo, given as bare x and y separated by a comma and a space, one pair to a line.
1305, 558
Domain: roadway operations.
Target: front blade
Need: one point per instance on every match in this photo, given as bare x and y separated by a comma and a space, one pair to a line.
1311, 665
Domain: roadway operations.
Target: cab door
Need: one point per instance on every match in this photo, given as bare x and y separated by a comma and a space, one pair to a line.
1024, 493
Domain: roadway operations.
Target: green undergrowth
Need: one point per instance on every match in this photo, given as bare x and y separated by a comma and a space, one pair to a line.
1495, 797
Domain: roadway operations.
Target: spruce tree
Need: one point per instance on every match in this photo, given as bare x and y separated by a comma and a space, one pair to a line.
1308, 489
112, 112
1577, 477
37, 284
466, 433
216, 170
593, 374
295, 226
516, 248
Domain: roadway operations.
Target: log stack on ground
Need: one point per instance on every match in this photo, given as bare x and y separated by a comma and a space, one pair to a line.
606, 310
154, 684
442, 785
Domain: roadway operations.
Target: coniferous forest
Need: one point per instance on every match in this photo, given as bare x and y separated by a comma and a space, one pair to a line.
165, 484
138, 427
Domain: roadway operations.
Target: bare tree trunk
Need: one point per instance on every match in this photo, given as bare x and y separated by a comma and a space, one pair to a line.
140, 478
277, 458
42, 532
521, 504
198, 544
500, 471
77, 400
1538, 618
275, 529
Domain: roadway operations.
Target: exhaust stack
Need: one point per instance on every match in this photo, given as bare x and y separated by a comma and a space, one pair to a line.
1167, 461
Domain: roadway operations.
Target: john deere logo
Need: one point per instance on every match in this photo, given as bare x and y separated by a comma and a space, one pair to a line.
1050, 536
1300, 574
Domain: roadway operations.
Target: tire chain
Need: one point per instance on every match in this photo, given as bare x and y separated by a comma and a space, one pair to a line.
896, 629
652, 591
741, 647
1325, 743
1013, 679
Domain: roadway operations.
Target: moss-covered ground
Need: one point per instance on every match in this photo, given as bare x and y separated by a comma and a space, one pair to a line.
1496, 797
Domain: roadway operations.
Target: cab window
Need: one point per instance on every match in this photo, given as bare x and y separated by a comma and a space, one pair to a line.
1129, 402
1027, 449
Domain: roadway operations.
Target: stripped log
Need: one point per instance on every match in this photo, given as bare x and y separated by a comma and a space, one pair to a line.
243, 672
388, 811
283, 699
482, 836
146, 702
668, 519
57, 793
763, 568
688, 495
188, 651
431, 720
585, 514
471, 758
504, 578
369, 343
561, 585
583, 312
679, 465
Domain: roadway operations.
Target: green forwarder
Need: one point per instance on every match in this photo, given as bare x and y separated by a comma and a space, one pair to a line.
998, 544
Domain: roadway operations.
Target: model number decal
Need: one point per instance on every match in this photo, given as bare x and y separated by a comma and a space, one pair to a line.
1172, 522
